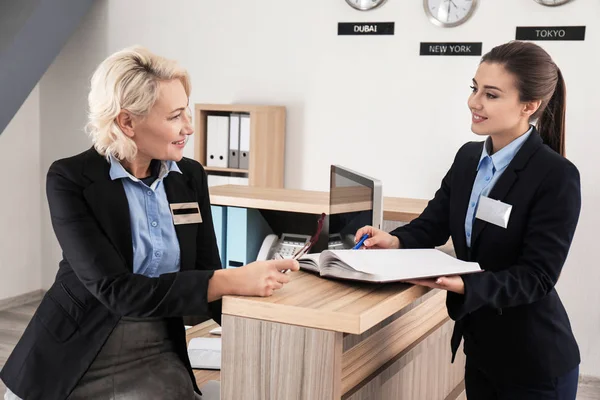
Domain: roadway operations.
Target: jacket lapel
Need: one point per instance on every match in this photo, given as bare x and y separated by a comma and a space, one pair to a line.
469, 174
509, 177
108, 202
180, 189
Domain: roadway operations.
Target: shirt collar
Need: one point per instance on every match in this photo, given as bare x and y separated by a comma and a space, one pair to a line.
502, 158
117, 171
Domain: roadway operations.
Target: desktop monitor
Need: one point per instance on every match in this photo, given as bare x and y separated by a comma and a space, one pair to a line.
355, 200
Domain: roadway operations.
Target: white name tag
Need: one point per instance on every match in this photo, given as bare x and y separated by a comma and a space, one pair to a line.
493, 211
186, 213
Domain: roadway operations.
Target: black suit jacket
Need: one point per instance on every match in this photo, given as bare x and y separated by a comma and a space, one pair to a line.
95, 284
511, 317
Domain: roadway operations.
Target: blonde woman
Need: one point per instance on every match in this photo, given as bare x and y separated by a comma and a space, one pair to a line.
111, 324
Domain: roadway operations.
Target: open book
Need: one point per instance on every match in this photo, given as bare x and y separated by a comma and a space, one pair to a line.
386, 265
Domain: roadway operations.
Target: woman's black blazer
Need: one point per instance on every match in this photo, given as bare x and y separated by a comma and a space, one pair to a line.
95, 284
511, 317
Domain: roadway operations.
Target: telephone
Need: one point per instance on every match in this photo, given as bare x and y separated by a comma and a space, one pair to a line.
335, 242
285, 247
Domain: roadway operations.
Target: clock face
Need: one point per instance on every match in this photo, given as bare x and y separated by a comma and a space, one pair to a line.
552, 2
365, 5
448, 13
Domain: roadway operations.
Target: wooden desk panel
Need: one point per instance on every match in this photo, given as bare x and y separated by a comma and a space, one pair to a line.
364, 359
263, 359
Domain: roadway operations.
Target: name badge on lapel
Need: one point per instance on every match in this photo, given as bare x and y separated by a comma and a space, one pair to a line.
186, 213
493, 211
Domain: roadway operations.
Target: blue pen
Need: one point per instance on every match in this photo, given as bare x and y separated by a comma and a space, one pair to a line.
361, 241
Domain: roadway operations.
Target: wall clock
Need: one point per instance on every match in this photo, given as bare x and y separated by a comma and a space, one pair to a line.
365, 5
552, 3
449, 13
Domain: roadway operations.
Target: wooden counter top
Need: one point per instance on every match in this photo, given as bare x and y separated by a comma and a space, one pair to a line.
305, 201
310, 301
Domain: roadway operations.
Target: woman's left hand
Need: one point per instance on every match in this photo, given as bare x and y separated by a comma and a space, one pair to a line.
450, 283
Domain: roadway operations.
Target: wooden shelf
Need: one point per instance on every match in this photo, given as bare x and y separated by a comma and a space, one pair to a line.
302, 201
217, 169
267, 141
305, 201
402, 209
238, 108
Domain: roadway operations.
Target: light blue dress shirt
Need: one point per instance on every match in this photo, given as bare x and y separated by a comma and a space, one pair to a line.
489, 170
155, 245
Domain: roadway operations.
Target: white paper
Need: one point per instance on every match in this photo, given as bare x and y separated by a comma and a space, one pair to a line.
310, 262
394, 265
205, 353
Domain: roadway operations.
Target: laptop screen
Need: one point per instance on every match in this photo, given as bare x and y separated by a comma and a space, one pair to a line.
354, 201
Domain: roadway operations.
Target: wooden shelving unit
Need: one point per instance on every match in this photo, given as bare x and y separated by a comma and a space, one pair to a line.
233, 170
267, 142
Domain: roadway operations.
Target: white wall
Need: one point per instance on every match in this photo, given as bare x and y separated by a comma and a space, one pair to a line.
369, 103
20, 202
63, 104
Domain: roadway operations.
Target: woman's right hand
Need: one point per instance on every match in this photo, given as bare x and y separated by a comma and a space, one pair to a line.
262, 278
378, 239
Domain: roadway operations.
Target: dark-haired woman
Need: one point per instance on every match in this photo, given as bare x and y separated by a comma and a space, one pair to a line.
510, 203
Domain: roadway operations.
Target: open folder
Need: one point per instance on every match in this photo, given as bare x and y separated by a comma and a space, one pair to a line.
386, 265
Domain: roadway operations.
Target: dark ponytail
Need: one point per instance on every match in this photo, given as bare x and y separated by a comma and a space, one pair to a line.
537, 78
551, 124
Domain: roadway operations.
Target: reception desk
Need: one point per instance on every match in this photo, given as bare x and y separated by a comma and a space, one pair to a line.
325, 339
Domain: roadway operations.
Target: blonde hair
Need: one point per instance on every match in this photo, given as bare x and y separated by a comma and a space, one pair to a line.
128, 79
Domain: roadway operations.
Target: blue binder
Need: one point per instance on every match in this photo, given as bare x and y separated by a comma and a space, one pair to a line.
246, 230
219, 215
